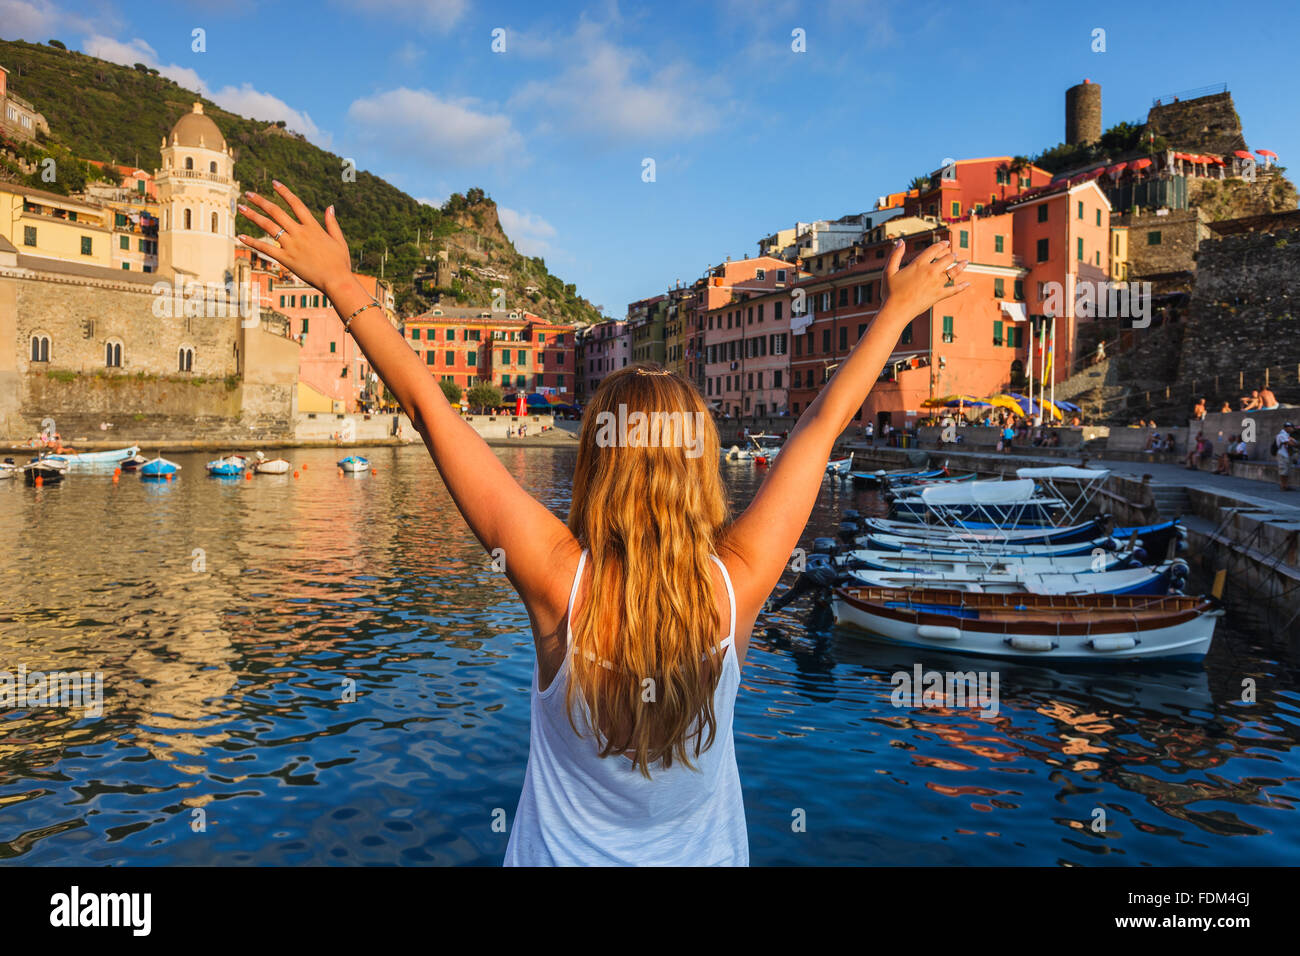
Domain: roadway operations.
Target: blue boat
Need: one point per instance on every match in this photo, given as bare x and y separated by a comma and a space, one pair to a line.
158, 468
232, 467
354, 464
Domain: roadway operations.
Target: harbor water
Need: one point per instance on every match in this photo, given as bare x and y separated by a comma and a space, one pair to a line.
327, 670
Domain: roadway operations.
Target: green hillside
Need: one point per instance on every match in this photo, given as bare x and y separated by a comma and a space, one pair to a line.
116, 114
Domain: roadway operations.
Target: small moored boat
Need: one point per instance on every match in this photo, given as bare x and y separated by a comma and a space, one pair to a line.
49, 472
96, 458
231, 466
839, 467
354, 464
158, 468
270, 466
1057, 627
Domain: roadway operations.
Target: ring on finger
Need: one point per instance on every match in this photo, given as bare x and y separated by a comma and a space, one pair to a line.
276, 237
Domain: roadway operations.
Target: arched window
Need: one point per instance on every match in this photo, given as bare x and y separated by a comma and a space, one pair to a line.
40, 347
113, 354
189, 162
186, 359
188, 219
212, 167
214, 223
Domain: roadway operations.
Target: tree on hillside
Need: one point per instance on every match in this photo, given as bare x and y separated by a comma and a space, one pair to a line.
484, 396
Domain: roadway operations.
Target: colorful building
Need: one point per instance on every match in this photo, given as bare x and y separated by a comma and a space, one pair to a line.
517, 351
19, 119
50, 226
744, 344
605, 348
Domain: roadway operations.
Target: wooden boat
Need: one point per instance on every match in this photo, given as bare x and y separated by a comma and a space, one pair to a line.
50, 472
270, 466
1168, 578
133, 463
158, 468
1054, 627
8, 469
96, 458
354, 464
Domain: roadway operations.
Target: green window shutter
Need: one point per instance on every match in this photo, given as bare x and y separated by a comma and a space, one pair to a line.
964, 239
999, 289
997, 331
1079, 248
997, 243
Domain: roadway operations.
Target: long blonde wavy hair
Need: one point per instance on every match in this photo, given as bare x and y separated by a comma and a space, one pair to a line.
649, 509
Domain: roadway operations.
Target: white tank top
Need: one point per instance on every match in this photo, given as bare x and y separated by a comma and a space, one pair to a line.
579, 809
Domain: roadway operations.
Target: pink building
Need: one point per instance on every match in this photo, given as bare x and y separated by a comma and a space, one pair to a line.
604, 347
746, 344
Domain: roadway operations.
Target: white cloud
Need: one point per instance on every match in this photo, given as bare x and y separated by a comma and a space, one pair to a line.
528, 232
36, 21
610, 92
439, 15
247, 101
431, 201
244, 100
447, 132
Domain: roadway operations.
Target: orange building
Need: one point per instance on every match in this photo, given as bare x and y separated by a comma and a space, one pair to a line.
517, 351
1054, 237
973, 185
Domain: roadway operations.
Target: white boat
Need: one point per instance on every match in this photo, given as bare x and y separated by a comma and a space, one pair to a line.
354, 464
270, 466
8, 469
95, 457
47, 472
1052, 627
976, 561
839, 467
736, 453
1165, 579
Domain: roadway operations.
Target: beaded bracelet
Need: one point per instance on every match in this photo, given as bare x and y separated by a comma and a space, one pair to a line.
348, 321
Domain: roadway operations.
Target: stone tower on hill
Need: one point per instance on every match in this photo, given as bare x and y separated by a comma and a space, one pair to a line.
1083, 113
197, 191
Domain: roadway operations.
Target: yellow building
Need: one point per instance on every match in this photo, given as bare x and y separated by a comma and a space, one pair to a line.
1118, 253
39, 223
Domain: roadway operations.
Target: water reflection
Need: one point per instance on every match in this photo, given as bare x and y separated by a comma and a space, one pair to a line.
329, 668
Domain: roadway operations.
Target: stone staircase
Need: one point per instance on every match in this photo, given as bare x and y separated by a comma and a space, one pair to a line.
1171, 500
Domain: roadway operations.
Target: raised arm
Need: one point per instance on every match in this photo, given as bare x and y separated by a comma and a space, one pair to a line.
533, 542
761, 540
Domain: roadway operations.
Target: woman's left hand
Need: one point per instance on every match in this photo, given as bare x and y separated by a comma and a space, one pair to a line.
318, 256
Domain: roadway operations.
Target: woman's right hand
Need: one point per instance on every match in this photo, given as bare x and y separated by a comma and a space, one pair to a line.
317, 255
926, 280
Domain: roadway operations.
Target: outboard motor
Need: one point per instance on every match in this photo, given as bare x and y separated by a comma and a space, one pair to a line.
819, 575
848, 531
825, 546
851, 514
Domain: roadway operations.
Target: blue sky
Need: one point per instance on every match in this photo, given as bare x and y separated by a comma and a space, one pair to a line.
747, 135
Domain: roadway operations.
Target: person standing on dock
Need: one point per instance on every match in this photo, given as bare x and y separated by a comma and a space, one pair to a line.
1285, 457
631, 750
